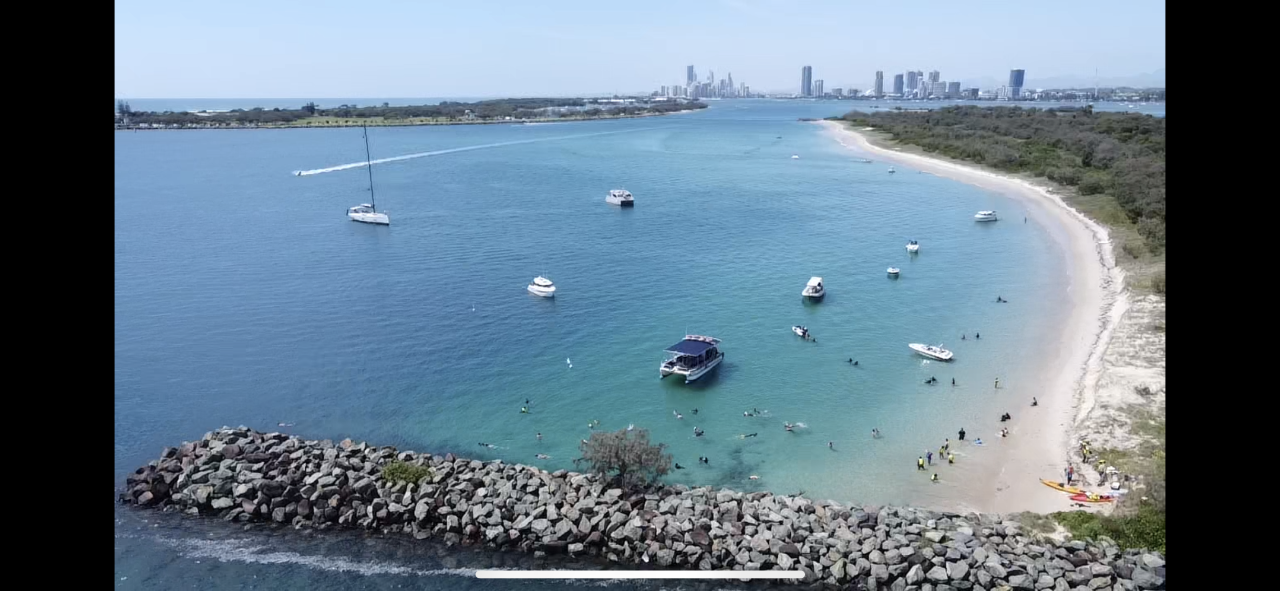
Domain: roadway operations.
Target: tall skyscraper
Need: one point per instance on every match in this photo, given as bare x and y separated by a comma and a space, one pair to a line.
879, 83
912, 81
934, 76
897, 84
817, 88
806, 81
1015, 83
690, 76
953, 90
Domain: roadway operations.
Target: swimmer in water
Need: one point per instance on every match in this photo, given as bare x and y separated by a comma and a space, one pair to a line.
697, 432
679, 467
754, 477
747, 414
524, 410
831, 445
740, 436
539, 436
695, 411
875, 433
543, 457
285, 425
679, 416
787, 426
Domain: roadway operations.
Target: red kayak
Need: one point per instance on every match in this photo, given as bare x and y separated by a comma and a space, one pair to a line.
1084, 498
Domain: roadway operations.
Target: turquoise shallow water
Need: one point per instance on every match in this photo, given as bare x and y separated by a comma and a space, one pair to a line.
243, 296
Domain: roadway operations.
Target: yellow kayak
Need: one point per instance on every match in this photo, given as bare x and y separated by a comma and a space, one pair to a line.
1062, 487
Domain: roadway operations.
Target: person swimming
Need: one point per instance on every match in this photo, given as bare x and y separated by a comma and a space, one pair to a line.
747, 435
705, 460
695, 411
679, 416
488, 445
831, 445
747, 414
754, 477
697, 432
539, 436
788, 426
679, 467
524, 410
875, 433
285, 425
543, 457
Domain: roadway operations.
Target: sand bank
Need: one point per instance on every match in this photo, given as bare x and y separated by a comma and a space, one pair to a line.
1043, 437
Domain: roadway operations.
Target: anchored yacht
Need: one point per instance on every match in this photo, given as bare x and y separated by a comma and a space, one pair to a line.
621, 197
692, 357
985, 216
932, 352
542, 286
814, 289
913, 247
367, 212
893, 271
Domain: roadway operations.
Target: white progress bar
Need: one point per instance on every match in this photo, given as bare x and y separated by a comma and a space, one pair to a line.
639, 574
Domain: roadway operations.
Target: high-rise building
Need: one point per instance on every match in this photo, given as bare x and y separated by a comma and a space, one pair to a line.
806, 81
837, 92
817, 88
934, 76
690, 76
953, 90
879, 83
1015, 83
911, 82
936, 89
897, 84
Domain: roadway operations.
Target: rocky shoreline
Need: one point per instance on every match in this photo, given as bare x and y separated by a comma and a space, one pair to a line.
242, 475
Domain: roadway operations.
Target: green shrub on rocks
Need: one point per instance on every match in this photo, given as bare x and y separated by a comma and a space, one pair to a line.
1142, 529
405, 472
627, 455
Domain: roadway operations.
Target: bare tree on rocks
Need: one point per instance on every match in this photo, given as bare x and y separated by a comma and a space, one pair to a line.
627, 456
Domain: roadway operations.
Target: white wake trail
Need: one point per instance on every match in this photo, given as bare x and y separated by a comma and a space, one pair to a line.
462, 149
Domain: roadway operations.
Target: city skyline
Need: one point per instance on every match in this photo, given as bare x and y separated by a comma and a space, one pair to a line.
314, 49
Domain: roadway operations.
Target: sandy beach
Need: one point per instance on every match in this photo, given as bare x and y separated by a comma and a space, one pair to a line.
1080, 381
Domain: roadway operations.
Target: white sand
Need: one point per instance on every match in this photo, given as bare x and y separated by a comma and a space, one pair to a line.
1041, 438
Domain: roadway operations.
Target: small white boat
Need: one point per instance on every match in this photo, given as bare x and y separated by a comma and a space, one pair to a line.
795, 157
692, 357
891, 170
814, 288
367, 212
542, 286
802, 332
893, 271
913, 247
985, 216
932, 352
620, 197
864, 161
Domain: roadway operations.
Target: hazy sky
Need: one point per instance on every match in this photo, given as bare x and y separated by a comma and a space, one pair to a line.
435, 48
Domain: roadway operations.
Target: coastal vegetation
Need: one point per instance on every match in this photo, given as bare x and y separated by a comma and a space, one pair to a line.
448, 112
1112, 164
399, 471
626, 455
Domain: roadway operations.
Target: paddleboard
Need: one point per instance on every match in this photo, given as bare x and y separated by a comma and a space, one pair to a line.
1083, 498
1062, 487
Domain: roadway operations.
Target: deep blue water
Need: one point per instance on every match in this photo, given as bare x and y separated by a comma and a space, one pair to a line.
244, 296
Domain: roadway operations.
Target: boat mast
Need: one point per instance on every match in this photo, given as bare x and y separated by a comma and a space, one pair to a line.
369, 164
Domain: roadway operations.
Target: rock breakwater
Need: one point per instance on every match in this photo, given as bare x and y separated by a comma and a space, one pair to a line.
242, 475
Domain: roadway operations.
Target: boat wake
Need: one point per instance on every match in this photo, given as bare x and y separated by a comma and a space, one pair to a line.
245, 552
342, 167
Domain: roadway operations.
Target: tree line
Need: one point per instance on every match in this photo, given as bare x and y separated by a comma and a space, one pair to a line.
1117, 154
521, 108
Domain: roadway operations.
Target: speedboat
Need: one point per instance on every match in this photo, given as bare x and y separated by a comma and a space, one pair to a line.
795, 157
814, 289
864, 161
801, 331
692, 357
365, 213
891, 170
913, 247
893, 271
542, 286
932, 352
984, 216
620, 197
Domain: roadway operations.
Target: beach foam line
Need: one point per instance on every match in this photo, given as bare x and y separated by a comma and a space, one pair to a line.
462, 149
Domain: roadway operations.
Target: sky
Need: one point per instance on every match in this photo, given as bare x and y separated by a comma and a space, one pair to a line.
493, 48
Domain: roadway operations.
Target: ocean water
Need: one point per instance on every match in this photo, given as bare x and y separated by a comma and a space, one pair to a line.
245, 296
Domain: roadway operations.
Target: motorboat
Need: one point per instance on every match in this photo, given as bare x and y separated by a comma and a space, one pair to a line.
802, 332
542, 286
368, 212
913, 247
891, 170
621, 197
893, 271
692, 357
864, 160
985, 216
814, 289
932, 352
795, 157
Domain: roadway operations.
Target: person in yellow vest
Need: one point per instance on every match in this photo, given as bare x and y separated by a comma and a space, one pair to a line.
935, 477
920, 463
951, 458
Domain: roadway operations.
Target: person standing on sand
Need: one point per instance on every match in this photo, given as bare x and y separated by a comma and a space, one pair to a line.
997, 383
920, 463
961, 433
929, 457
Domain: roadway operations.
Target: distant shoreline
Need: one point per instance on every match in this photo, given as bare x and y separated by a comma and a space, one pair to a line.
392, 123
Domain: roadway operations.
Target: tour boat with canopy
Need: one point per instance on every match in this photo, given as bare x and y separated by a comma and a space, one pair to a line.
692, 357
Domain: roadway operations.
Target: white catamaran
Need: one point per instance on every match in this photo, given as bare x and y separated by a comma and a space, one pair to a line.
692, 357
368, 212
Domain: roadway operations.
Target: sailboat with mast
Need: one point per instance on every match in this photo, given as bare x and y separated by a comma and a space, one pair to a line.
368, 212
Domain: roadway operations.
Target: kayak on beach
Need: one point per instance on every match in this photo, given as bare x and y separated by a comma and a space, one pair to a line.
1084, 498
1062, 487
